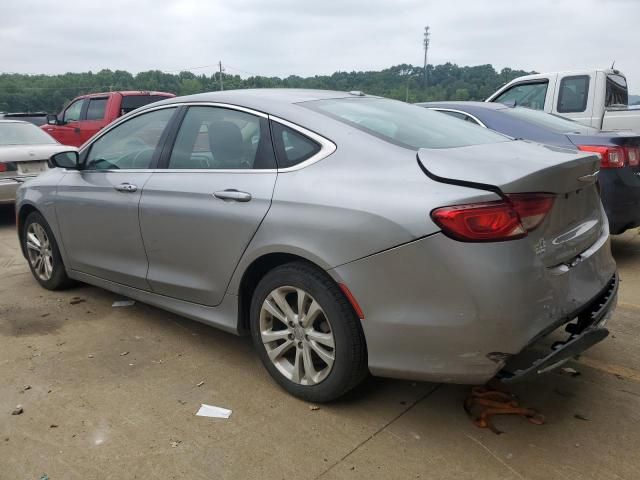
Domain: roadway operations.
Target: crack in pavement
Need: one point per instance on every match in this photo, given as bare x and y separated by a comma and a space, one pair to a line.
381, 429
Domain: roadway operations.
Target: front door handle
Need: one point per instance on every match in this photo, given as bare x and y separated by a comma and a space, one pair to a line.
232, 195
126, 187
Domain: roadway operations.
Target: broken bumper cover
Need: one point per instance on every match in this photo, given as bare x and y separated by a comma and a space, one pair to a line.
586, 331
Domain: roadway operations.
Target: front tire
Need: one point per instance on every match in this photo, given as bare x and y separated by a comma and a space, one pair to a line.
307, 334
43, 254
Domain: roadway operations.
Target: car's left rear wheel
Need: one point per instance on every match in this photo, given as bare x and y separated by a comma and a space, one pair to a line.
43, 254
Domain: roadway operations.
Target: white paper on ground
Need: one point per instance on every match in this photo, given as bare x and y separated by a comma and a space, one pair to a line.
213, 411
123, 303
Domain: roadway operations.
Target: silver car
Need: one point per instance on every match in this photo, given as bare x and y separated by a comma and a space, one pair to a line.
24, 153
345, 233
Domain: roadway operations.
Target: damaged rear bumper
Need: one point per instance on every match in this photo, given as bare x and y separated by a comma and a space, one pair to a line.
587, 330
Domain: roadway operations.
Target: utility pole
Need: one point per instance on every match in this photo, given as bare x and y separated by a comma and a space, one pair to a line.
220, 65
426, 49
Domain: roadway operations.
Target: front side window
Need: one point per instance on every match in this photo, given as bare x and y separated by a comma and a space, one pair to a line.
292, 147
213, 138
402, 124
96, 108
573, 94
73, 111
130, 145
530, 95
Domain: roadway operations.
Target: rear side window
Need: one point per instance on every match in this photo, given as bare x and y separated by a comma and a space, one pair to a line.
573, 94
460, 115
292, 147
530, 95
409, 126
96, 108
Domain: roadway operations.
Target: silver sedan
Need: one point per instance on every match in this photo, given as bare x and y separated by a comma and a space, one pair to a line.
345, 233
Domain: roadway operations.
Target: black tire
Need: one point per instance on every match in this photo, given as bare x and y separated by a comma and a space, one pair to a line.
350, 355
58, 279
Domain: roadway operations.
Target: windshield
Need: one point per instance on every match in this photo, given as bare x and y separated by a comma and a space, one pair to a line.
14, 133
547, 120
406, 125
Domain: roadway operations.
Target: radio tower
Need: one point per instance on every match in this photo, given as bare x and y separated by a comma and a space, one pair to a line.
426, 50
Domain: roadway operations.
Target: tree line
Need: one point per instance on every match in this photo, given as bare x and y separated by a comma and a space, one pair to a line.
49, 93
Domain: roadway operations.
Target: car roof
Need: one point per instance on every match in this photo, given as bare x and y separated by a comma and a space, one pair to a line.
465, 105
276, 101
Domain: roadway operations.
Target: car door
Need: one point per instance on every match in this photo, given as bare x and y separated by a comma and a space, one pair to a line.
97, 206
198, 215
67, 132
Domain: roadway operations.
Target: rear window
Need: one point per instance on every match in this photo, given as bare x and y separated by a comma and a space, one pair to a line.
573, 94
131, 102
552, 122
617, 92
18, 133
402, 124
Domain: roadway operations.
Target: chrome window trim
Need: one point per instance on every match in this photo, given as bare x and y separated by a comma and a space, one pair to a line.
327, 147
473, 117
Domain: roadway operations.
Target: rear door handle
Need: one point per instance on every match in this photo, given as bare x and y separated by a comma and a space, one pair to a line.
232, 195
126, 187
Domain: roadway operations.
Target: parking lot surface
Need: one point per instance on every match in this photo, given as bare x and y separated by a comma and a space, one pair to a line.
111, 393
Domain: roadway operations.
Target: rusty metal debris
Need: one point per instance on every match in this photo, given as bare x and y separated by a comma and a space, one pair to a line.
484, 403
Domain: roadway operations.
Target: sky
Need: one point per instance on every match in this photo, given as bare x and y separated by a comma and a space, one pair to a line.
287, 37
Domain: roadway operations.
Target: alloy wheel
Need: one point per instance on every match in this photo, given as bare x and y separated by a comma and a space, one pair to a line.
297, 335
39, 251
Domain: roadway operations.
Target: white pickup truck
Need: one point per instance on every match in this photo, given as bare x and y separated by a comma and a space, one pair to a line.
598, 98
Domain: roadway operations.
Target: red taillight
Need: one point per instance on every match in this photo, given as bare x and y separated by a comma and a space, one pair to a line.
633, 156
494, 221
3, 167
610, 157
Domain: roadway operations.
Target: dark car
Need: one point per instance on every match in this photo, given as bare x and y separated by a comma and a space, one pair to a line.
620, 151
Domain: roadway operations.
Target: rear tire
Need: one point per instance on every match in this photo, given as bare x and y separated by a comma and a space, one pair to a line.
43, 254
307, 334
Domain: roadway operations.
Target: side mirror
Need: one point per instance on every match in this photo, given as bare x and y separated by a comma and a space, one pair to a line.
52, 119
70, 160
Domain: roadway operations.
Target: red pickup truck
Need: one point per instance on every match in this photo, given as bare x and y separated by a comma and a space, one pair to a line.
87, 114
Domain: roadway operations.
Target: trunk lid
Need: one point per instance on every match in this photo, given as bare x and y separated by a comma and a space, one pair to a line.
576, 219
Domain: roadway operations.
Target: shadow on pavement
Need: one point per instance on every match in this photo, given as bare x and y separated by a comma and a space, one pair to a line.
7, 215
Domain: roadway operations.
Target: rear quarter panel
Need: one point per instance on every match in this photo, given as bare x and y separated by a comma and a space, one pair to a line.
366, 197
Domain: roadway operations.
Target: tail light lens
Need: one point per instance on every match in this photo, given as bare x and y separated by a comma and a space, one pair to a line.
633, 156
3, 167
8, 167
494, 221
610, 157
